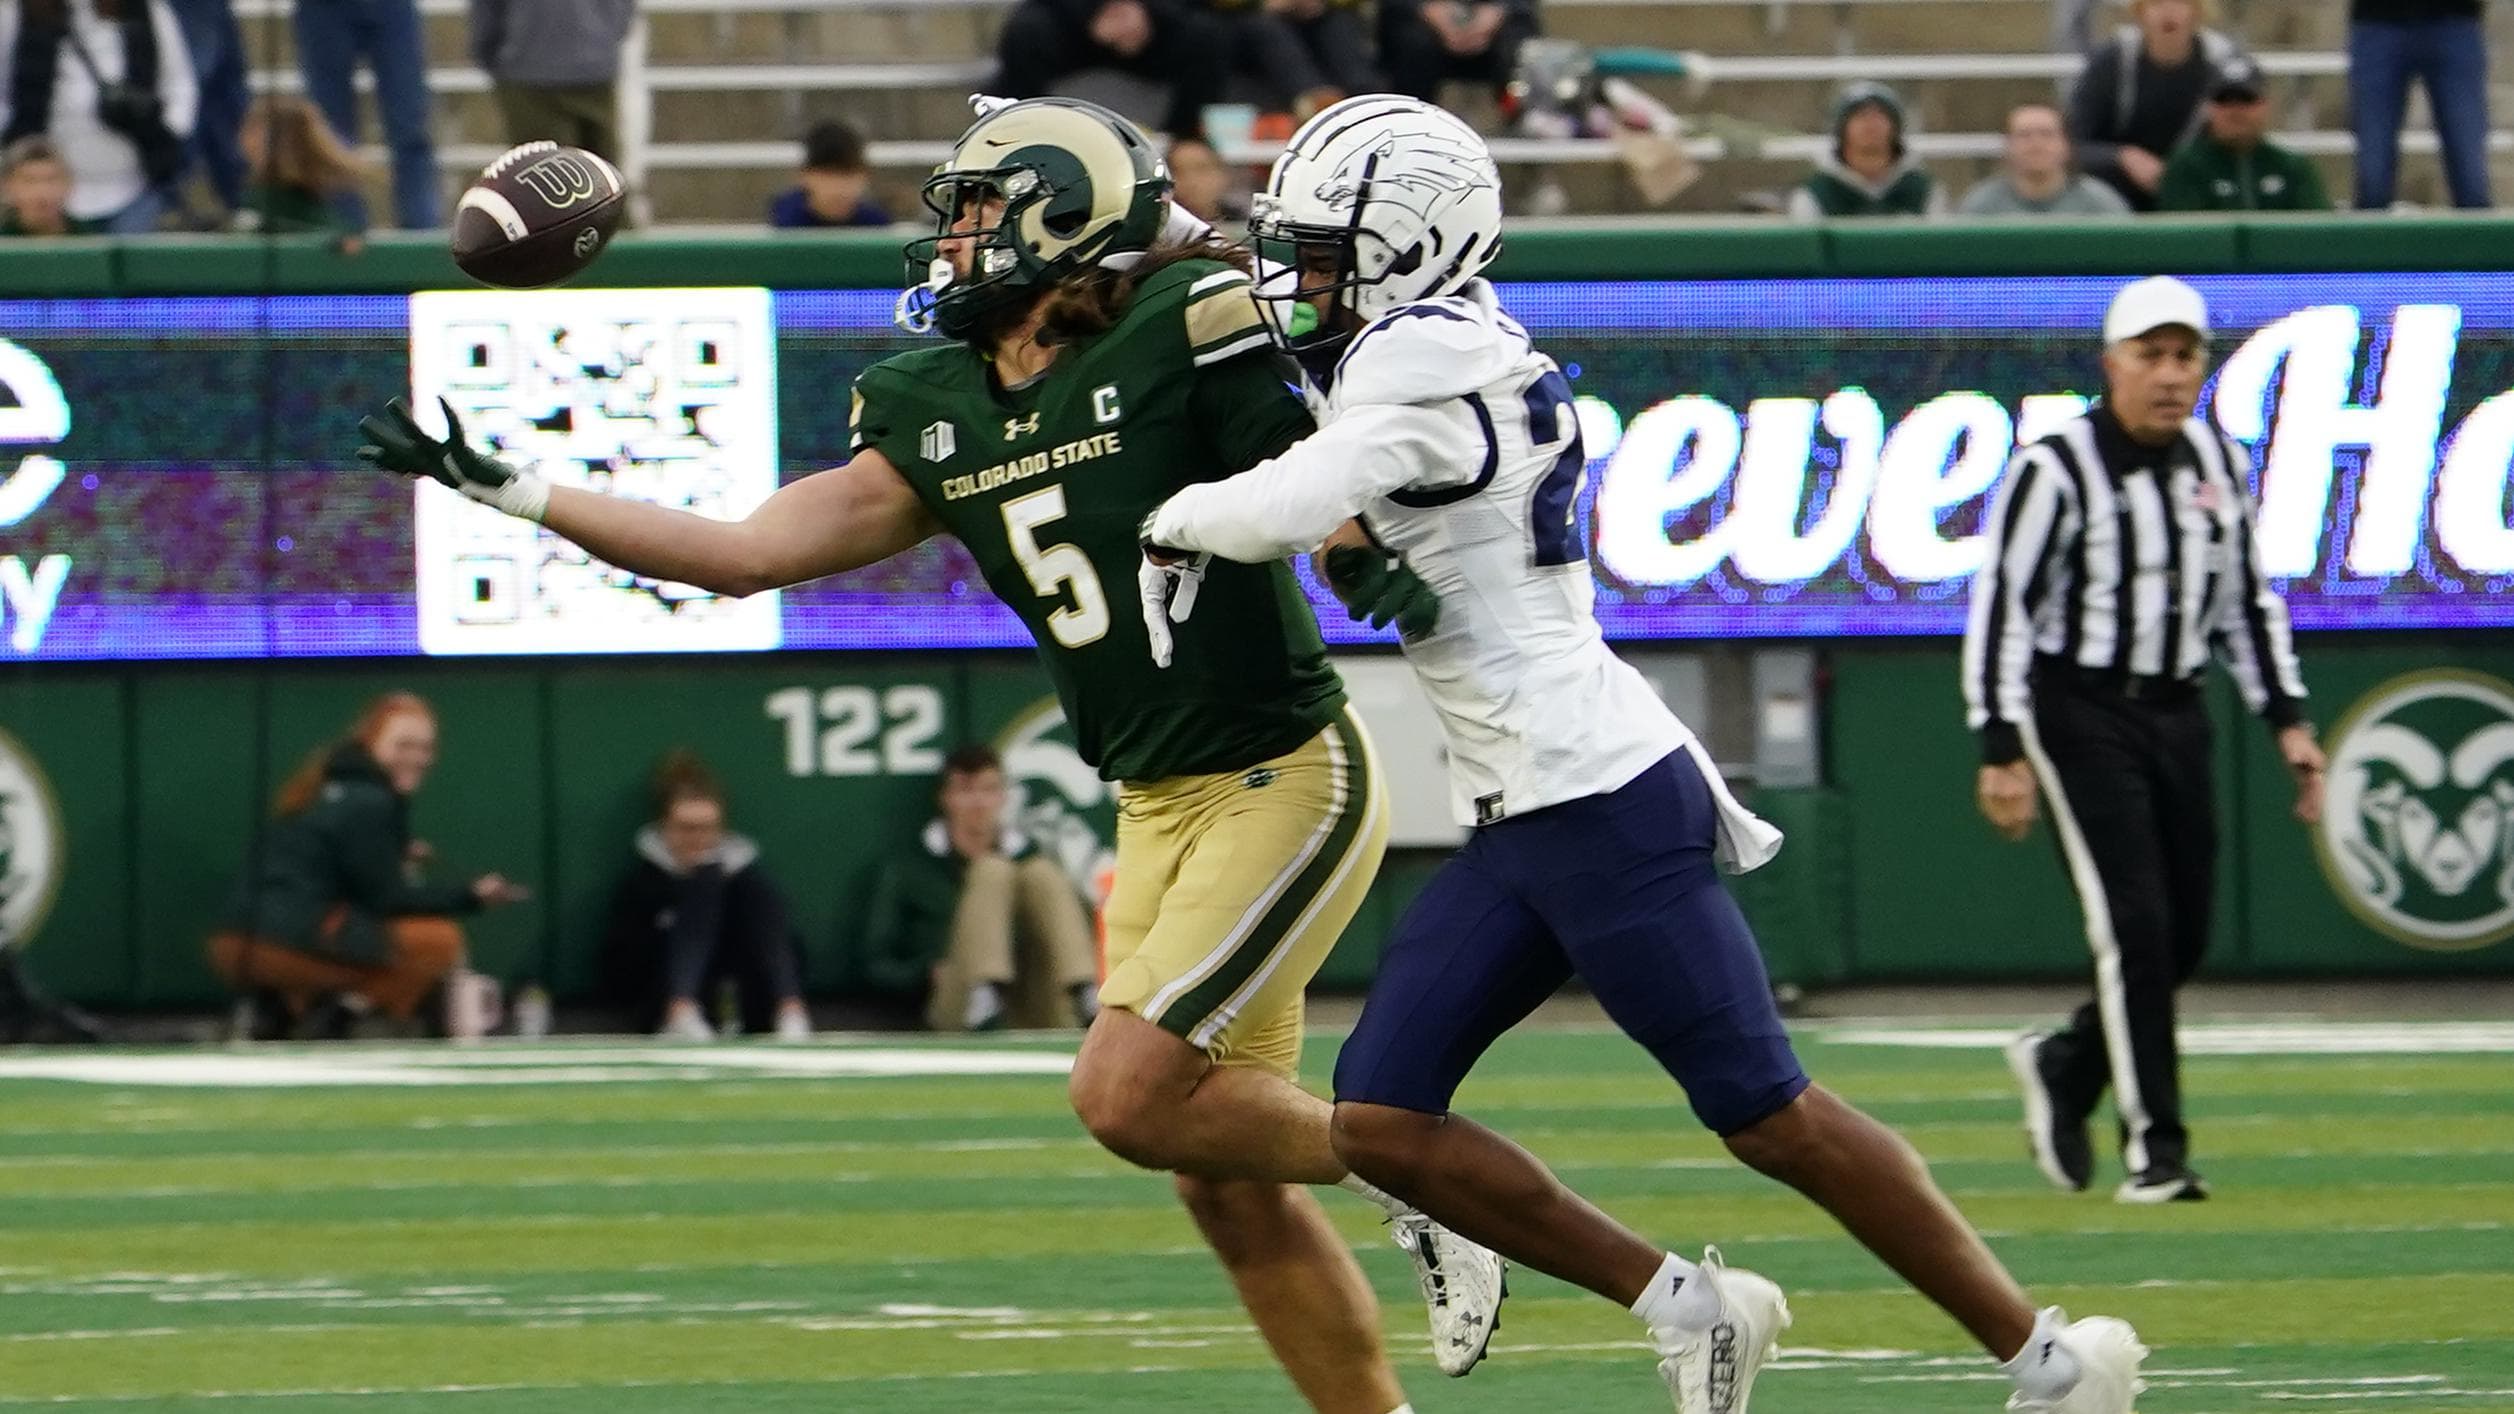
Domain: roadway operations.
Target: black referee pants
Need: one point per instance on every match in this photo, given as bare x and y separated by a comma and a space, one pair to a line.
2133, 803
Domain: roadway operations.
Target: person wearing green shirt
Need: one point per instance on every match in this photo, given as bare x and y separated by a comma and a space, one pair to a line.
296, 169
2231, 164
1871, 170
1102, 351
976, 919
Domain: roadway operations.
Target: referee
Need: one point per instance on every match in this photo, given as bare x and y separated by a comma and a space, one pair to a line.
2120, 554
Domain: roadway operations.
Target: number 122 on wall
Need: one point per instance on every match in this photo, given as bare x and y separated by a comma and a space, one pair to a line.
857, 731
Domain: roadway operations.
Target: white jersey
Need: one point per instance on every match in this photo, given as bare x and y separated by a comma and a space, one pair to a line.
1457, 443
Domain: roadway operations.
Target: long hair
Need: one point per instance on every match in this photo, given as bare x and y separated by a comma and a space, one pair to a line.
1091, 304
305, 784
292, 146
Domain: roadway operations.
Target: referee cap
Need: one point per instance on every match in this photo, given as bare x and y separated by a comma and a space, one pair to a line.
2154, 303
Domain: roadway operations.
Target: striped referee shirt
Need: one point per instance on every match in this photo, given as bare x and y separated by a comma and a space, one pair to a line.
2123, 559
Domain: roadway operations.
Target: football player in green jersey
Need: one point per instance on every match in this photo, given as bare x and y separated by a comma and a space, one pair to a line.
1097, 362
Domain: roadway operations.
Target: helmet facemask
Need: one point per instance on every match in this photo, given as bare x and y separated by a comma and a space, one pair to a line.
1299, 261
1064, 184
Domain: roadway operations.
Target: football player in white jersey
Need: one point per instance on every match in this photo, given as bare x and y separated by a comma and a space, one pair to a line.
1449, 455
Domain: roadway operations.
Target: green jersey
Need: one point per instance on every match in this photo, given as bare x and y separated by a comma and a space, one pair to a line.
1048, 485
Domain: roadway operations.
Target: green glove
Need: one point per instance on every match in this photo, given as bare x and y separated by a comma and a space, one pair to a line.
397, 443
1377, 584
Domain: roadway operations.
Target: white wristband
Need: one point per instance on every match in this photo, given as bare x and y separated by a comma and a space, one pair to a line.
524, 496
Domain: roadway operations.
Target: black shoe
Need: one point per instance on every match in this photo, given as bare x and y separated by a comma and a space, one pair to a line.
2165, 1183
2055, 1127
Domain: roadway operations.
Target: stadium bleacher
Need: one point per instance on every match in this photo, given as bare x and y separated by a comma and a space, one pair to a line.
718, 90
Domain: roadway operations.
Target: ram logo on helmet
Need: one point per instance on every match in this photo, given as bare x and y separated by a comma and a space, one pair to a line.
2418, 833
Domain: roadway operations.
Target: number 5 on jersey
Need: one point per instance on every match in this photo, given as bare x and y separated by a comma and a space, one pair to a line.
1052, 567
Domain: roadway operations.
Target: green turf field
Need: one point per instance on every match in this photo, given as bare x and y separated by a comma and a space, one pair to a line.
623, 1230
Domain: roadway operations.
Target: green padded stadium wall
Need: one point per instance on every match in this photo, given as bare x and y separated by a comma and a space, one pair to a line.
162, 769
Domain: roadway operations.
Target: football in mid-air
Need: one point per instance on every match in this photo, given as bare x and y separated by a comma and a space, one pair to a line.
537, 216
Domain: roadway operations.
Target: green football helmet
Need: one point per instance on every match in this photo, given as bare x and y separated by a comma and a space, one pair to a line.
1078, 184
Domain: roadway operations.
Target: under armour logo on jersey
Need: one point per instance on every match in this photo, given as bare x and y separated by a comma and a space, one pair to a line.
936, 444
1016, 428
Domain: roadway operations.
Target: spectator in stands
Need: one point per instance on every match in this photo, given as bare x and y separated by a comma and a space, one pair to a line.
975, 910
2034, 177
697, 904
331, 916
35, 191
1303, 54
216, 46
298, 166
1425, 43
332, 35
834, 183
1871, 171
554, 66
2231, 164
2138, 97
2442, 44
110, 83
1201, 184
1175, 41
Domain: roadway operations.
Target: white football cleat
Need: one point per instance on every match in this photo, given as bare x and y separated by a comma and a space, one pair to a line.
685, 1024
2108, 1354
1713, 1371
1463, 1285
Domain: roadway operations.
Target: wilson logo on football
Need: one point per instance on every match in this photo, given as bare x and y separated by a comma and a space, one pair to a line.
561, 180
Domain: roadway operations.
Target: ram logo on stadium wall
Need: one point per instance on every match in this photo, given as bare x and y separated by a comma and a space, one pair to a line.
32, 847
2417, 835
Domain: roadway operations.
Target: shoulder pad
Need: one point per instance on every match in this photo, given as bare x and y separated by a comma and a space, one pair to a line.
1427, 351
1220, 312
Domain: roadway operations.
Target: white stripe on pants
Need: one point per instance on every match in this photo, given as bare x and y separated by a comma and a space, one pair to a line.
2111, 1002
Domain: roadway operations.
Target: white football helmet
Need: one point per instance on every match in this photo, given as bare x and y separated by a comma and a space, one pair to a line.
1388, 198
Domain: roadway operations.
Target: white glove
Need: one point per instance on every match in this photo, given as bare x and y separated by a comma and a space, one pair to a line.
1169, 596
987, 105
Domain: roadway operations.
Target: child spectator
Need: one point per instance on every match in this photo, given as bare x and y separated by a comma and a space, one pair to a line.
35, 191
1871, 171
697, 904
833, 186
296, 168
110, 82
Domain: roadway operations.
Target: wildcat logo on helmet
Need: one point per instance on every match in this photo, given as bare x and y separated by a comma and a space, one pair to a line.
32, 843
1435, 167
2417, 834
